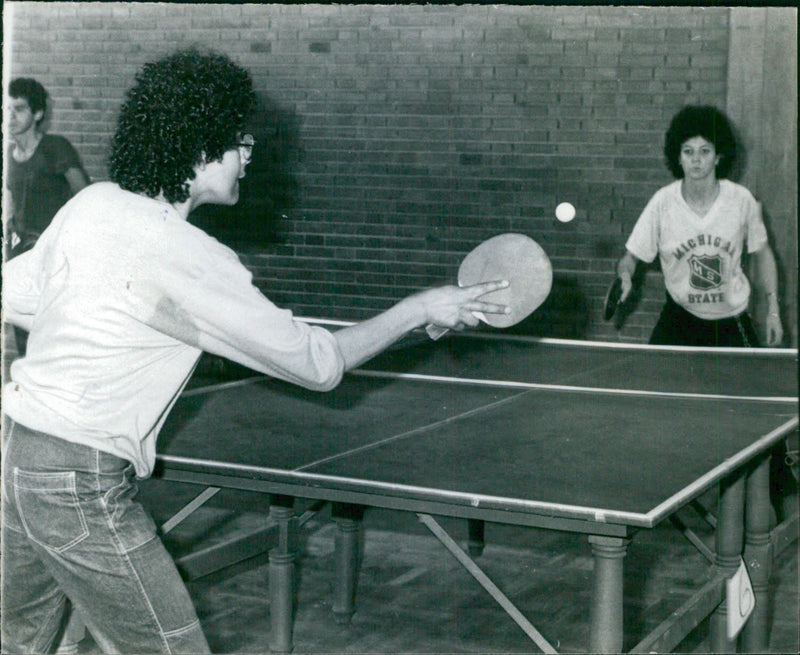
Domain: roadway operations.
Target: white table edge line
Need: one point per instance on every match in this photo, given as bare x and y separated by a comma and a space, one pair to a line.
582, 343
513, 384
593, 514
731, 464
619, 345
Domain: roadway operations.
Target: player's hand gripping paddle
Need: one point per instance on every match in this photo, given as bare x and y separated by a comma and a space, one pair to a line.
513, 257
617, 307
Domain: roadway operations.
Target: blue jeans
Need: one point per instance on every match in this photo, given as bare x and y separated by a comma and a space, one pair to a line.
72, 531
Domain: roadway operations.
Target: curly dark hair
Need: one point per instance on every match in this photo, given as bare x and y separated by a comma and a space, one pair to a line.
32, 92
186, 106
705, 121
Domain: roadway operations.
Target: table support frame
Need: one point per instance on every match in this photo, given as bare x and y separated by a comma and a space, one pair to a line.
742, 531
758, 556
282, 575
729, 540
607, 593
348, 552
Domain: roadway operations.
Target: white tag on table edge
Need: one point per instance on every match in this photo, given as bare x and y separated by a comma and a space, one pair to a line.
741, 599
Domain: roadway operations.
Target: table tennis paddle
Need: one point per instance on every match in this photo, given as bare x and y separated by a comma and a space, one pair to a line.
612, 299
513, 257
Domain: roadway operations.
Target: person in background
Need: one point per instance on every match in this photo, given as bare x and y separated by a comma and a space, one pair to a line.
700, 227
43, 171
122, 294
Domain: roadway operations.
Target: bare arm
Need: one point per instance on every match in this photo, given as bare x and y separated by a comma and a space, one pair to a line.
76, 179
9, 229
451, 307
626, 268
766, 281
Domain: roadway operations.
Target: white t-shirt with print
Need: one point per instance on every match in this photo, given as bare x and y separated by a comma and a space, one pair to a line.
701, 257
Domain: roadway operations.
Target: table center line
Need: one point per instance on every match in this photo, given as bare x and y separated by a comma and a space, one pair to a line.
409, 433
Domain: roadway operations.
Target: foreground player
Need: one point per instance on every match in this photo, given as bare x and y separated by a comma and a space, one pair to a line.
121, 294
699, 226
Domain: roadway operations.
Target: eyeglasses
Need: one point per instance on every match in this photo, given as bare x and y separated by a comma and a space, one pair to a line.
245, 146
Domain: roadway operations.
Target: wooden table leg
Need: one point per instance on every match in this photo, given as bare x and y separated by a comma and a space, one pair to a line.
758, 556
349, 520
729, 539
281, 576
606, 609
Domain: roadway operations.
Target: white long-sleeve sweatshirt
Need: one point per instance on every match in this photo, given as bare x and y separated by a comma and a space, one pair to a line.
120, 296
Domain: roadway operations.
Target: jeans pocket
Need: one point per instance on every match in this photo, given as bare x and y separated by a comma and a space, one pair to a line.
49, 509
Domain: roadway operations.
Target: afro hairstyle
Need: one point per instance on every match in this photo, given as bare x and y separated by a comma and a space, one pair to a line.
184, 108
707, 122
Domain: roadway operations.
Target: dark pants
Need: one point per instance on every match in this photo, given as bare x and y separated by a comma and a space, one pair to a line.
21, 340
677, 327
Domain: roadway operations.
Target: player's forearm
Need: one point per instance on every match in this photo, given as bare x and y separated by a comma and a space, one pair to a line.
77, 179
627, 266
767, 278
359, 343
766, 274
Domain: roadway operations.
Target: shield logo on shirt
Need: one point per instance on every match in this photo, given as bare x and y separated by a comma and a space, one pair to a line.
706, 271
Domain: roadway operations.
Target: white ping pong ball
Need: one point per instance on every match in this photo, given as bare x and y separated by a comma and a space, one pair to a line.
565, 212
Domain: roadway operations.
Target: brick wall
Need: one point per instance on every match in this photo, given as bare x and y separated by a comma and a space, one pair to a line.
392, 139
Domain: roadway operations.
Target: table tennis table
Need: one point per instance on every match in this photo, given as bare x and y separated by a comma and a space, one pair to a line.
595, 438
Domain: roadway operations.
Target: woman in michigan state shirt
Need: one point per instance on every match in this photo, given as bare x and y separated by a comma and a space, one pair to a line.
700, 226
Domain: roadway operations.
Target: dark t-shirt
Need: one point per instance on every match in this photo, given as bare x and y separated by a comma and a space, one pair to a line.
39, 187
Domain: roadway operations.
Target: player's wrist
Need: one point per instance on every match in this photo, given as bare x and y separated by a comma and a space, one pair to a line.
773, 309
415, 309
